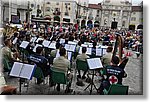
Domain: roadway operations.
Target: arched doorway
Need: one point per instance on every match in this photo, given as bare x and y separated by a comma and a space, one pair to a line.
114, 25
131, 27
140, 26
57, 18
83, 24
96, 24
90, 24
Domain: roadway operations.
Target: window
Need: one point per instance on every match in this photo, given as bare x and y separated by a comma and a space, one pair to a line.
32, 5
66, 14
107, 7
47, 9
107, 1
97, 11
38, 6
133, 19
57, 11
116, 7
134, 13
123, 23
118, 13
48, 3
126, 8
57, 3
125, 14
106, 12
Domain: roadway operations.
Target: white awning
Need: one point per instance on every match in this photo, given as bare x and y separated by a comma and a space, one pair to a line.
67, 17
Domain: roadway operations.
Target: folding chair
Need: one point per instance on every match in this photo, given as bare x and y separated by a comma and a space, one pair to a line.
81, 65
38, 73
116, 89
59, 77
7, 65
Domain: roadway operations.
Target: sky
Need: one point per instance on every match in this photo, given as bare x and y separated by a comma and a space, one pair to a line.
97, 1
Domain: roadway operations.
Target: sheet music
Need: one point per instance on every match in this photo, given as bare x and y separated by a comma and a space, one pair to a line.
15, 40
94, 63
80, 50
57, 54
33, 39
62, 41
104, 51
70, 47
67, 47
83, 45
89, 51
24, 44
90, 45
98, 52
16, 69
69, 55
46, 43
52, 45
72, 43
37, 45
104, 47
51, 38
27, 71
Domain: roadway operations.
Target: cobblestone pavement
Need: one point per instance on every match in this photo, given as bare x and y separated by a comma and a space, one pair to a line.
134, 80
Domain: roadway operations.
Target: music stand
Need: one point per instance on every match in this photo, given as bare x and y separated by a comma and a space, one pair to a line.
21, 70
93, 63
91, 83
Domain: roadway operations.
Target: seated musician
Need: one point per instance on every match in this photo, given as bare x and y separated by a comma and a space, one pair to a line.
54, 52
41, 62
7, 52
106, 59
62, 64
77, 49
94, 48
82, 57
113, 74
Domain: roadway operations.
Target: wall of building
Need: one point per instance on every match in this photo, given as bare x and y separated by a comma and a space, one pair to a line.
136, 18
1, 14
50, 7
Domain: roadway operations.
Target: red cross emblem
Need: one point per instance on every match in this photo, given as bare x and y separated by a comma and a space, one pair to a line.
113, 79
